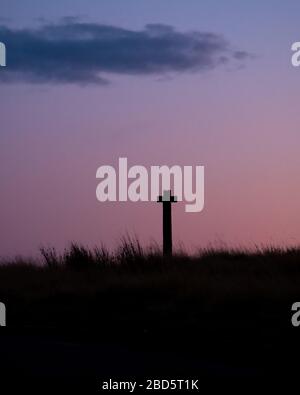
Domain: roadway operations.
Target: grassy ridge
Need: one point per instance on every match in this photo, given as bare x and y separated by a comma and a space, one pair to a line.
132, 284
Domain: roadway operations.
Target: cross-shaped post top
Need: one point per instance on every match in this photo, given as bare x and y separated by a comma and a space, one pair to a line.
167, 197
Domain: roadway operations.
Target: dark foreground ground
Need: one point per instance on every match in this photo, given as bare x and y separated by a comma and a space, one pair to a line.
85, 317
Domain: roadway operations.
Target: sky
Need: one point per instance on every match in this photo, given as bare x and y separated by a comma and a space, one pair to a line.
160, 82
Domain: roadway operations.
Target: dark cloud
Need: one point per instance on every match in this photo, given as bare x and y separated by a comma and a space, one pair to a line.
77, 52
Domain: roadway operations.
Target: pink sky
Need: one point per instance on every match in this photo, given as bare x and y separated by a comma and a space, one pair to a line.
241, 124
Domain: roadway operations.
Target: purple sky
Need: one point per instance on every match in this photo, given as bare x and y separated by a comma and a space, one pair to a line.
241, 123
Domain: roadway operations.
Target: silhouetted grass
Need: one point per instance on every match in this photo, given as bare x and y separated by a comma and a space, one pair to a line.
137, 283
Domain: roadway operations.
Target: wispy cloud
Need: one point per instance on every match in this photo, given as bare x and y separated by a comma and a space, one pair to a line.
77, 52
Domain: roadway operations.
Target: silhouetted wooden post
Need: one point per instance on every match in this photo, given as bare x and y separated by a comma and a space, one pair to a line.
167, 199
